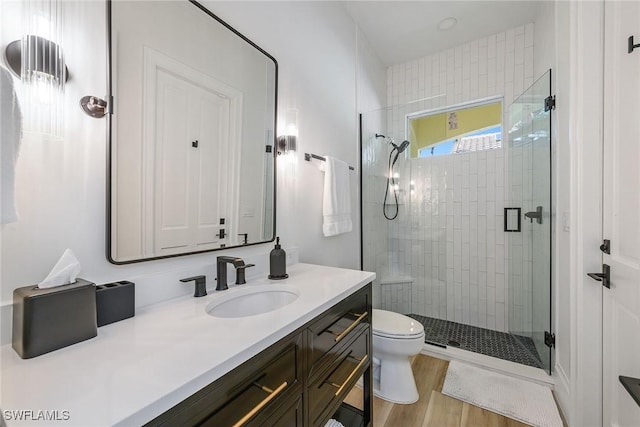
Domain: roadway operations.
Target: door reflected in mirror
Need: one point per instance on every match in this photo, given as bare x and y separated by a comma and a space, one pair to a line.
191, 133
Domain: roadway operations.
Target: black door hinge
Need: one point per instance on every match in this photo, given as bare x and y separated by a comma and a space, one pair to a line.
550, 103
549, 339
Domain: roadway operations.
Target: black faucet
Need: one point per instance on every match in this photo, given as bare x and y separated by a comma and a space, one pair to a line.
201, 286
221, 271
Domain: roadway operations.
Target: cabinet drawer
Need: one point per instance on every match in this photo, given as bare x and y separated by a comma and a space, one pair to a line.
338, 325
289, 414
250, 392
259, 392
332, 385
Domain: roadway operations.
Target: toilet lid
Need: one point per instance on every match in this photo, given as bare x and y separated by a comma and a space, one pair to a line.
394, 325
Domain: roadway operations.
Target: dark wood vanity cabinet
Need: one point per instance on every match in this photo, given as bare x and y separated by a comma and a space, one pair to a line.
301, 380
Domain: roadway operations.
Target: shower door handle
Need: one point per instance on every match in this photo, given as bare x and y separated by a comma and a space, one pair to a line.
537, 215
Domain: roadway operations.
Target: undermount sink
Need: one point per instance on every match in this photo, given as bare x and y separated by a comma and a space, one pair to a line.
251, 301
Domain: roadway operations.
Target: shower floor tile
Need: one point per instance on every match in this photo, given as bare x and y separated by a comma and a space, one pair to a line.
480, 340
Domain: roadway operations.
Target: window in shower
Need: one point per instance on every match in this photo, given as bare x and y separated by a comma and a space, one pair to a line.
465, 128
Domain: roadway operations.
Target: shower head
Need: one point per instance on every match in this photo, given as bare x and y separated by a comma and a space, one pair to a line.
402, 146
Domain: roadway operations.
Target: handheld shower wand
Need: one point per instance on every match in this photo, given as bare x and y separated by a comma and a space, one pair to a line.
391, 181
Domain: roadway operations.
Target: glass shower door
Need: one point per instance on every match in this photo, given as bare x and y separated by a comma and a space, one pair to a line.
529, 184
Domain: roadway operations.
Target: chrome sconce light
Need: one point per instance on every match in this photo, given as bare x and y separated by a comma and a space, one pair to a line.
287, 143
38, 60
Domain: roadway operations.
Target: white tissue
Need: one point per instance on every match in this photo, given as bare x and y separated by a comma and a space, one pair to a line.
64, 272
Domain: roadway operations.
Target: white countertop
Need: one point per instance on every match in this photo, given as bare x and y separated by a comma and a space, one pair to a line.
136, 369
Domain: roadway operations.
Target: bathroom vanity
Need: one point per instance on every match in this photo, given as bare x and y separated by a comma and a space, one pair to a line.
300, 380
175, 364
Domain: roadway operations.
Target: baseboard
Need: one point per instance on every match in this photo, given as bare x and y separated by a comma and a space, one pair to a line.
506, 367
561, 392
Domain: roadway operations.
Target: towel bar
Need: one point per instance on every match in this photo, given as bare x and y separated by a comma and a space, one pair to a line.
308, 157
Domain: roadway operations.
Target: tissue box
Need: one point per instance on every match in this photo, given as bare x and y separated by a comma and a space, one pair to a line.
45, 320
115, 301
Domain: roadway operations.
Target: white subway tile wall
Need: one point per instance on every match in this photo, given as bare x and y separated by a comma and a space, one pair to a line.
396, 297
448, 236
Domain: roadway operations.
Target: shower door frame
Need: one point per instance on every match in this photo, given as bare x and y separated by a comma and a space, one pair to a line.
549, 336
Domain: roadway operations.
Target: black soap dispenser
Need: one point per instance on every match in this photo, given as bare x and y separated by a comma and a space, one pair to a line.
278, 262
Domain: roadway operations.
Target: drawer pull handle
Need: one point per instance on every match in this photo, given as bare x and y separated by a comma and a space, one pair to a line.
263, 387
351, 326
351, 375
260, 405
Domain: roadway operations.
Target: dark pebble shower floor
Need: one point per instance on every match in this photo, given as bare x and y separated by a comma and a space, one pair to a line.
480, 340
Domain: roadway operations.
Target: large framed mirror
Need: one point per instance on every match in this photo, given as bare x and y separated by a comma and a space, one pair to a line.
192, 129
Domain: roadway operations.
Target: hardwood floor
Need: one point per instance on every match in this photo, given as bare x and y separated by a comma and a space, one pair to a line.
433, 409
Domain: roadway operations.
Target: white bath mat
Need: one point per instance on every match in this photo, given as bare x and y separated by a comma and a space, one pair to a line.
514, 398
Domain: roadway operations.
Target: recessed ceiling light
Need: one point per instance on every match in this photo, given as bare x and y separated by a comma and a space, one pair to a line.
447, 23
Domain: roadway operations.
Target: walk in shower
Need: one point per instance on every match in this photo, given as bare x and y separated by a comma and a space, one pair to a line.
458, 227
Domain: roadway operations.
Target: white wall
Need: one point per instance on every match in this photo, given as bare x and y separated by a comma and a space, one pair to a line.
579, 57
61, 186
372, 86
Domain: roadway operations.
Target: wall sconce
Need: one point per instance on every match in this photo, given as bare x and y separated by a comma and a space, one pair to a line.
38, 60
288, 142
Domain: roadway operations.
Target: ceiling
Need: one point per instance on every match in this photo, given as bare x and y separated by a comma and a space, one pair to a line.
400, 31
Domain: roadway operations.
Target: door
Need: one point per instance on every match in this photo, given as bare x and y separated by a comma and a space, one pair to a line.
621, 303
529, 188
192, 126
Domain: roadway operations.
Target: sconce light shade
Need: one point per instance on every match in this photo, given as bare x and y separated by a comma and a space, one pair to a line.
43, 57
286, 144
38, 60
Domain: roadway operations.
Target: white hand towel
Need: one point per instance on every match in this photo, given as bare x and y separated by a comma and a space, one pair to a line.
336, 198
10, 137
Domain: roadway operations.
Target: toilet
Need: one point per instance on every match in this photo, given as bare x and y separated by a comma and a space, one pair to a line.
396, 338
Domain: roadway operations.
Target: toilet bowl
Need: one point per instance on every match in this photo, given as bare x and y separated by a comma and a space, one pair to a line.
396, 338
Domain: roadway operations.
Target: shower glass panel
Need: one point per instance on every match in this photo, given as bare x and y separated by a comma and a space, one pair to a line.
407, 253
529, 187
433, 224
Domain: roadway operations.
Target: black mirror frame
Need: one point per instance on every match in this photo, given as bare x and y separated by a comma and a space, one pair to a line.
109, 213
